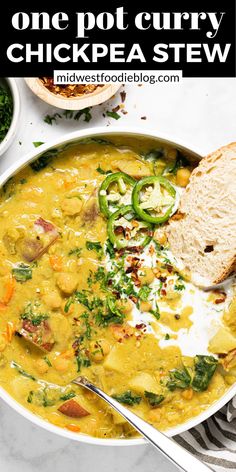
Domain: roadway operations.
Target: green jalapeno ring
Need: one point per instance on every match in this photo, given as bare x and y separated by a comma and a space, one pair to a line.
144, 214
118, 177
118, 244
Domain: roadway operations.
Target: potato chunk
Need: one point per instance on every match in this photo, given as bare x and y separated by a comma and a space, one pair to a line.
144, 381
71, 206
222, 342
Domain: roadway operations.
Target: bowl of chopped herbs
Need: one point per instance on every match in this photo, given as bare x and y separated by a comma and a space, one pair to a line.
9, 112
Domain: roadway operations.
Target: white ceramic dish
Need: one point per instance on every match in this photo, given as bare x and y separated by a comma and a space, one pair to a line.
73, 138
5, 143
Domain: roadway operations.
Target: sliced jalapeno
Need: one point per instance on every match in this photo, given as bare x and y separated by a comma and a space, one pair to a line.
125, 229
153, 199
114, 192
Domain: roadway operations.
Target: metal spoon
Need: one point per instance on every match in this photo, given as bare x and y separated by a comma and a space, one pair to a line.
169, 448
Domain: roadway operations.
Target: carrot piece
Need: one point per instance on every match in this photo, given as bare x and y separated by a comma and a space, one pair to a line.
56, 262
9, 290
73, 427
10, 330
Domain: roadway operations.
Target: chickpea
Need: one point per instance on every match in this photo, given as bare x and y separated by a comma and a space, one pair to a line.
99, 349
160, 237
125, 305
41, 366
67, 282
155, 415
187, 394
146, 276
145, 306
61, 364
230, 379
71, 206
182, 177
52, 300
3, 343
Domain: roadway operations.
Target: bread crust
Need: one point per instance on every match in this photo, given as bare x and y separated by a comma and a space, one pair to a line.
230, 265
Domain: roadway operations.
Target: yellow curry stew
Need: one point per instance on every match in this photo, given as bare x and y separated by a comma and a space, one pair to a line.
89, 286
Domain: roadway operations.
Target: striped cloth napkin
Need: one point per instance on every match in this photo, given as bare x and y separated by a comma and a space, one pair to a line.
214, 440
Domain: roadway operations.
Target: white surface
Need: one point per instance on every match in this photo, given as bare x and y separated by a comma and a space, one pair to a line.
199, 111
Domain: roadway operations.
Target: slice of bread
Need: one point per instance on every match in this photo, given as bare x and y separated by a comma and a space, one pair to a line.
203, 233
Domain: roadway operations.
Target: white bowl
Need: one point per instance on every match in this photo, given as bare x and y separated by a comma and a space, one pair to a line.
72, 138
5, 143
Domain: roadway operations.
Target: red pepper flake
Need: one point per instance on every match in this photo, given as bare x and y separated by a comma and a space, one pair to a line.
162, 279
123, 96
133, 298
116, 109
163, 292
169, 267
219, 300
140, 326
124, 112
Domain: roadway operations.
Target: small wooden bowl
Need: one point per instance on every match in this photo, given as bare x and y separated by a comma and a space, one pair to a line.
100, 95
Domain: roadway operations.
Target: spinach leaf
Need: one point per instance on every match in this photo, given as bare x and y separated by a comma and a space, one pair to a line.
22, 272
153, 399
153, 155
179, 379
205, 367
128, 398
44, 160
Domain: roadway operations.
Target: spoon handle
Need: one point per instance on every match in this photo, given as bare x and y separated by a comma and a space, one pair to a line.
175, 453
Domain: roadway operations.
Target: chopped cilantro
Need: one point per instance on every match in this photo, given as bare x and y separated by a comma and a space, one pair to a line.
37, 143
179, 287
47, 361
75, 252
95, 246
144, 293
67, 396
6, 111
82, 361
33, 314
22, 371
85, 112
103, 172
113, 114
110, 249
